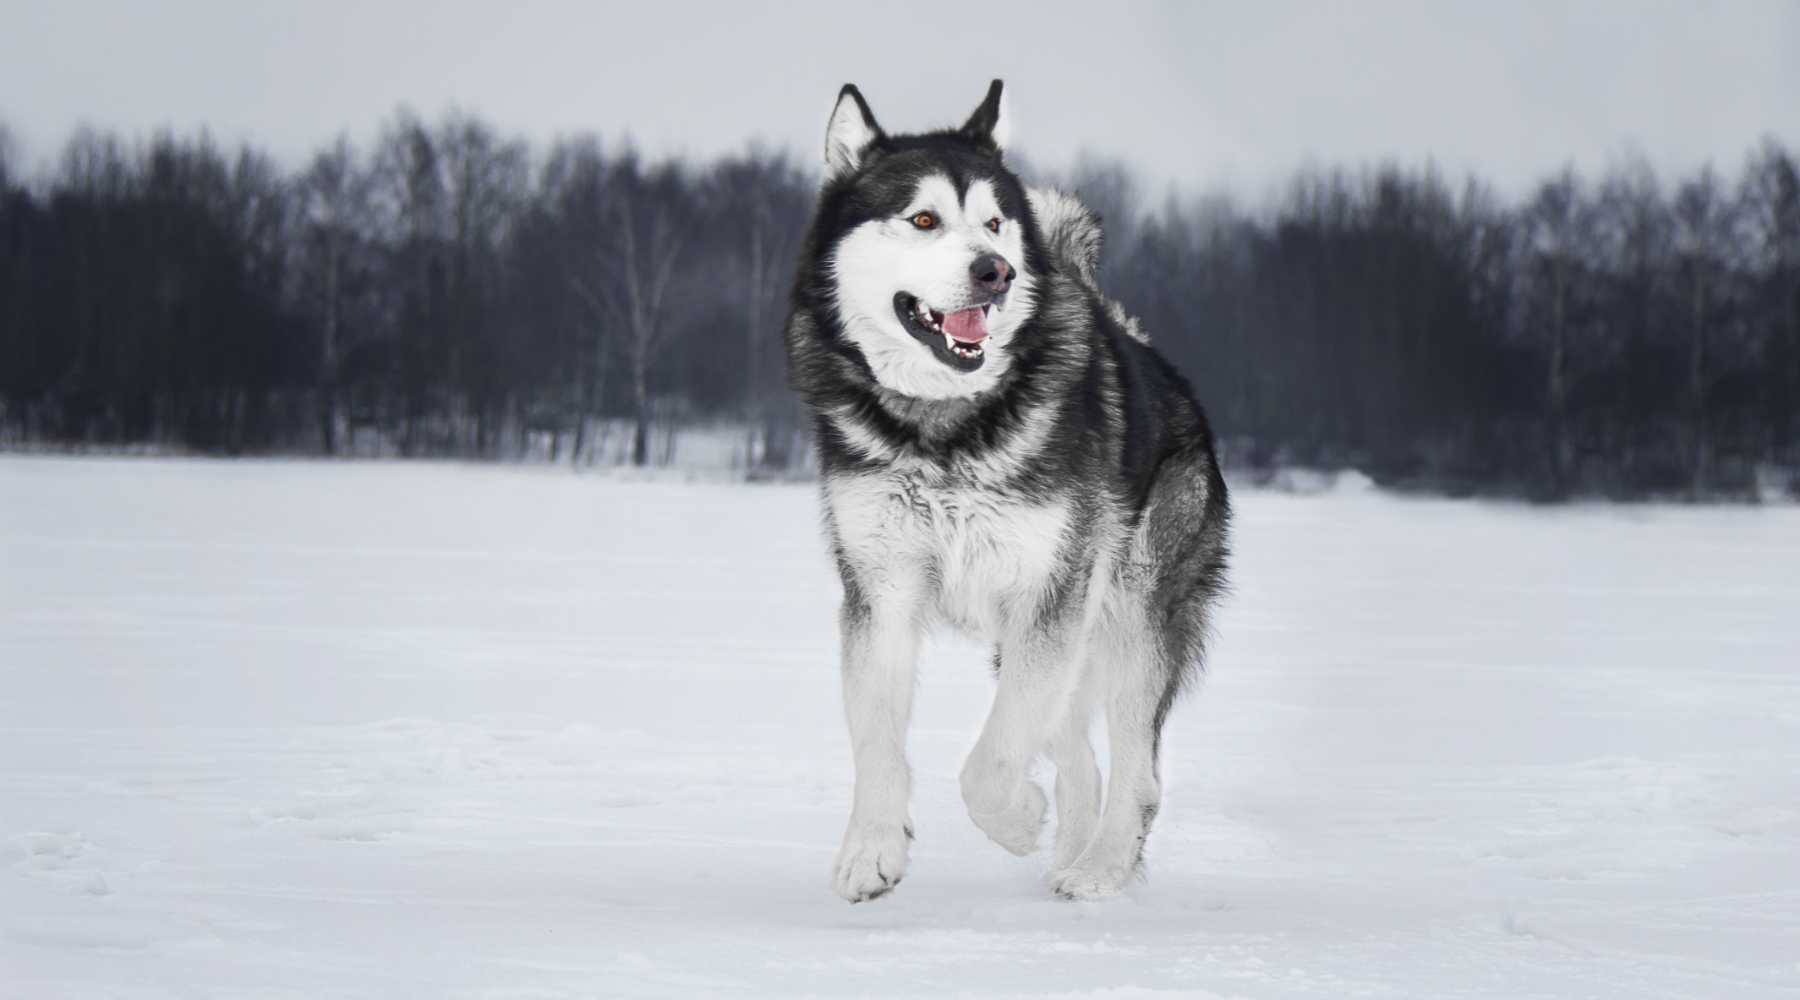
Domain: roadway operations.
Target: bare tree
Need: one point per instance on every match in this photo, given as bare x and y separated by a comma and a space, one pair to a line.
1633, 221
763, 200
333, 204
1553, 232
1772, 202
1704, 231
644, 220
563, 266
410, 197
484, 185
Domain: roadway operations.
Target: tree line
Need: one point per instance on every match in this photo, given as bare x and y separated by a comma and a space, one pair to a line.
1615, 337
445, 293
453, 292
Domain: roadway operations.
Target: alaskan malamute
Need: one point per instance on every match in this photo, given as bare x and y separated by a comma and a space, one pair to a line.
1002, 452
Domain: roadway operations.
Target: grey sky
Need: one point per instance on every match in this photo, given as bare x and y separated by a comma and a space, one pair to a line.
1208, 96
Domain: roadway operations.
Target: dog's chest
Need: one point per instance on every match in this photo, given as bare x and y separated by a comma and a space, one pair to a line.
982, 554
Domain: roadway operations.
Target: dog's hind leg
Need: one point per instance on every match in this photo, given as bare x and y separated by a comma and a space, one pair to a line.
1077, 775
1146, 653
880, 634
1038, 676
1137, 689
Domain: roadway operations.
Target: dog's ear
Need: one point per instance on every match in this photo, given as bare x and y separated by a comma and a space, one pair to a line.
848, 136
989, 125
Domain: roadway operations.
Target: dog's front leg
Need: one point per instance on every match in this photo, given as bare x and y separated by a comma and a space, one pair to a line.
880, 632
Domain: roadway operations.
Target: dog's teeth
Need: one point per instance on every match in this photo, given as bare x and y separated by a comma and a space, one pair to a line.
949, 342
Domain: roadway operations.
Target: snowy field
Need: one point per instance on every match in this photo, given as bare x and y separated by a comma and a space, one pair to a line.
382, 729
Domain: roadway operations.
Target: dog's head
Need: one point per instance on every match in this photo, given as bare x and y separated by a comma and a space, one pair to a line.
932, 256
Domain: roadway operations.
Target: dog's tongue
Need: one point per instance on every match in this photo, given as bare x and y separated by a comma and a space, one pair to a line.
968, 326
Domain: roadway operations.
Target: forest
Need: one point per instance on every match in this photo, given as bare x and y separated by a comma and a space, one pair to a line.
454, 292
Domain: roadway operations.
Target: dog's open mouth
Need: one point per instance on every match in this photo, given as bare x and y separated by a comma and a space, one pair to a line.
956, 339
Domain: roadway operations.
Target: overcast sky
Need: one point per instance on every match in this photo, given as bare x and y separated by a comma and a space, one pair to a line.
1206, 96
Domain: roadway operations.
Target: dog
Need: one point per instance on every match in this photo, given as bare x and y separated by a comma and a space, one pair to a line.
1001, 451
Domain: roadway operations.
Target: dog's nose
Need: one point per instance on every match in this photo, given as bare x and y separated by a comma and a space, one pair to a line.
992, 273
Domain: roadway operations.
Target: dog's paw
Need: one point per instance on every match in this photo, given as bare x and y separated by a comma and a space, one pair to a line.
870, 864
1016, 824
1086, 880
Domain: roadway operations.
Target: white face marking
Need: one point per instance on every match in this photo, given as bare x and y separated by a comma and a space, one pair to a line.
883, 257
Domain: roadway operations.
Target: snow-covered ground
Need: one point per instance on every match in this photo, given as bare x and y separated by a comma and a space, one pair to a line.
382, 729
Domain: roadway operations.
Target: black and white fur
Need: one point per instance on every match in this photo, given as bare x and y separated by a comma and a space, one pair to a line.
1056, 495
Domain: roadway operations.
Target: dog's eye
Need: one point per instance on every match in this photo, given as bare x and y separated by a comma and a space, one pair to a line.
925, 220
993, 225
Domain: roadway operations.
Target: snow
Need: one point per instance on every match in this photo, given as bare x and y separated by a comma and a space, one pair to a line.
382, 729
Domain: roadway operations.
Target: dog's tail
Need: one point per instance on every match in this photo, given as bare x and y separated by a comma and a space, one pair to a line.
1072, 235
